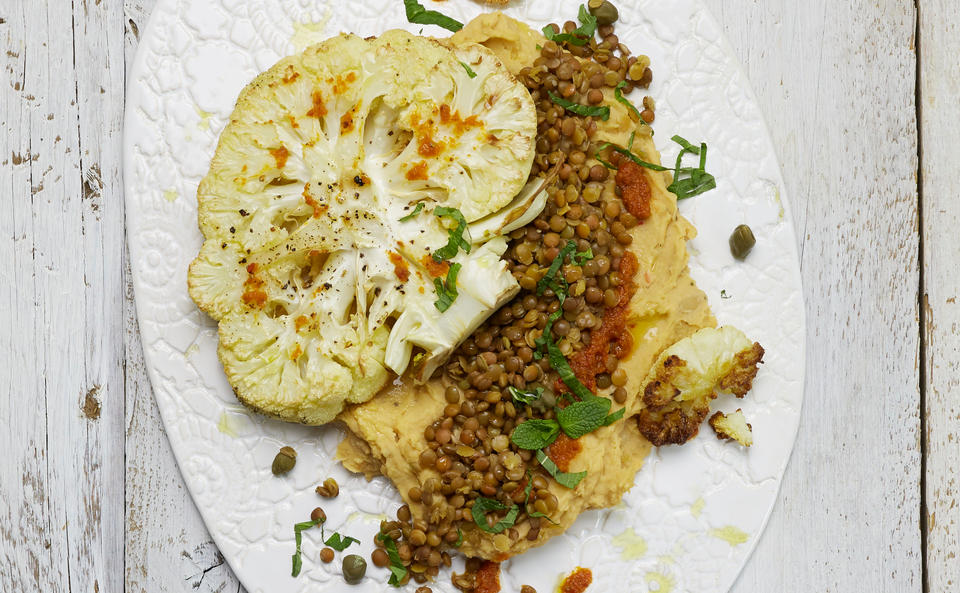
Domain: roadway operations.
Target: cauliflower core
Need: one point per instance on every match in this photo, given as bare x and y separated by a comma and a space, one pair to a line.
319, 287
686, 377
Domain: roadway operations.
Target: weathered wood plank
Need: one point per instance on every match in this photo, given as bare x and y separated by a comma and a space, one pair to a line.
61, 379
836, 83
939, 44
168, 549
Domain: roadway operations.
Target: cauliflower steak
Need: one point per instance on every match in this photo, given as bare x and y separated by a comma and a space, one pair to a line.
342, 175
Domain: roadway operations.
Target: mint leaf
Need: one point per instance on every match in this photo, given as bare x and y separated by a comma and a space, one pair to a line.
583, 417
535, 434
416, 13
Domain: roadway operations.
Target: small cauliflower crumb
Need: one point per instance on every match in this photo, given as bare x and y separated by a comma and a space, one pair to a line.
732, 427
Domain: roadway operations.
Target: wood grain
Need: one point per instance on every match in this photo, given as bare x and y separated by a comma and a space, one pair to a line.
835, 81
61, 352
939, 91
168, 548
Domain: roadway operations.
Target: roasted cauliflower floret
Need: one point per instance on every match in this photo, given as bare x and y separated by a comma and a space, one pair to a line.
343, 174
732, 427
685, 378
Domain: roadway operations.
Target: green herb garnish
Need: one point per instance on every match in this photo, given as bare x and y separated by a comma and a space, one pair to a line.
630, 156
697, 180
525, 397
469, 70
459, 541
614, 417
446, 290
581, 257
580, 35
550, 280
559, 363
416, 210
541, 342
397, 569
582, 417
298, 530
339, 542
565, 479
482, 506
416, 13
535, 434
455, 241
601, 111
618, 95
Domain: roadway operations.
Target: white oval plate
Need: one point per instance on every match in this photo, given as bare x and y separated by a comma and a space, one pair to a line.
695, 512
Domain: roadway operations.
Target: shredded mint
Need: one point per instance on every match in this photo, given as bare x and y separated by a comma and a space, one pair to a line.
535, 434
549, 280
581, 257
527, 397
482, 506
469, 70
579, 36
567, 480
416, 13
397, 570
614, 417
618, 95
298, 530
416, 210
601, 111
456, 241
339, 542
559, 363
447, 289
691, 181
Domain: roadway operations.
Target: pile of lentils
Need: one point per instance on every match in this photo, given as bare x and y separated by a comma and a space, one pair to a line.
469, 446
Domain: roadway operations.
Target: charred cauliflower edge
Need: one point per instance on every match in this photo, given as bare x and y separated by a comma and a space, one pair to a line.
686, 378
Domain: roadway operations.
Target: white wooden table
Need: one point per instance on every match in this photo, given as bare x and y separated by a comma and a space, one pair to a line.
863, 101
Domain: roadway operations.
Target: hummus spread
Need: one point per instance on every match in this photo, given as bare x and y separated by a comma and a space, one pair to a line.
386, 434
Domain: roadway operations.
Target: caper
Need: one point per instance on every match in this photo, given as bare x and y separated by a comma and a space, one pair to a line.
329, 489
354, 567
742, 241
606, 13
284, 461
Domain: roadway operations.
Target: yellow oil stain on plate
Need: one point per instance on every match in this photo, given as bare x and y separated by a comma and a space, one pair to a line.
730, 534
631, 545
307, 34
